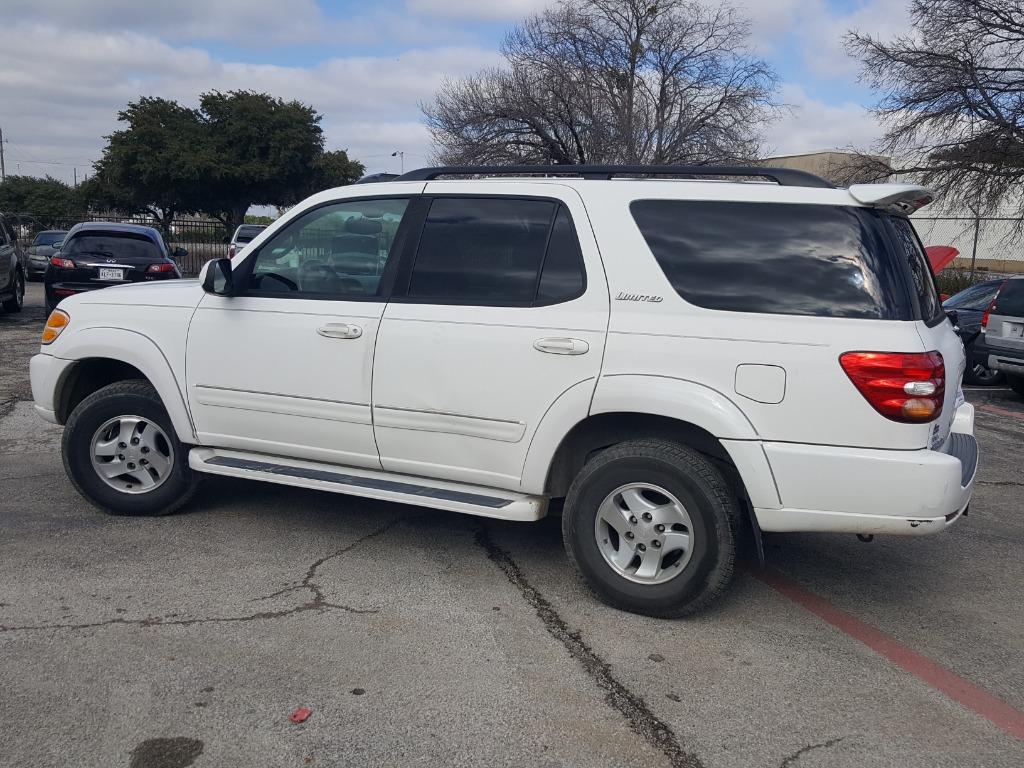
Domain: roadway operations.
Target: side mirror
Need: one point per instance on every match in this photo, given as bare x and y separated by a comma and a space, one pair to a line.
179, 252
218, 279
56, 246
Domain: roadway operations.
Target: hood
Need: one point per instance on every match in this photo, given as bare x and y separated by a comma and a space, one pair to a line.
160, 293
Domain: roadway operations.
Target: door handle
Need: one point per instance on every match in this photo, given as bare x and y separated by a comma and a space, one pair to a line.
562, 346
340, 331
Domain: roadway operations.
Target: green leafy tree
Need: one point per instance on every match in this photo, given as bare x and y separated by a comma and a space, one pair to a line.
155, 165
264, 151
49, 202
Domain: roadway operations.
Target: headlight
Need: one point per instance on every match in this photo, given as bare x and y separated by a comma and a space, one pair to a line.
55, 325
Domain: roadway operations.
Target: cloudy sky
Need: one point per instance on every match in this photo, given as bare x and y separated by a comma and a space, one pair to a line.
67, 66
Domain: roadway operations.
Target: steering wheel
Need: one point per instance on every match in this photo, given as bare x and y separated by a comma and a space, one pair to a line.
257, 280
316, 272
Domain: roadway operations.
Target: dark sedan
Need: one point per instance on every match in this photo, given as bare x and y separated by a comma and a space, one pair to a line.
970, 305
99, 254
41, 250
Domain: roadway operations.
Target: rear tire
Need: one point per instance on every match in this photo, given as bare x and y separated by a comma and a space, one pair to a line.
982, 377
15, 303
1016, 384
670, 485
122, 454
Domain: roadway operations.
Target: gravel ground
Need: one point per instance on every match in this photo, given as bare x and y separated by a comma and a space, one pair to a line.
419, 637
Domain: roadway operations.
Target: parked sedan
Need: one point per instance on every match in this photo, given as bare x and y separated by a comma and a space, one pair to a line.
99, 254
42, 248
970, 305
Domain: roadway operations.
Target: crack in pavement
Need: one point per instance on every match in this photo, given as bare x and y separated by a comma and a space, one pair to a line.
318, 603
998, 482
791, 759
641, 720
307, 581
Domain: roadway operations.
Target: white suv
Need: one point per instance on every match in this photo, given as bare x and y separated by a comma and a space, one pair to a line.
685, 362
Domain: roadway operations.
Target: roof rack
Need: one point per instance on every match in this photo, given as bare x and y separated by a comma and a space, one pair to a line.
784, 177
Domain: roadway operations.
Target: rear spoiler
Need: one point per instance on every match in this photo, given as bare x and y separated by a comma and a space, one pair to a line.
896, 198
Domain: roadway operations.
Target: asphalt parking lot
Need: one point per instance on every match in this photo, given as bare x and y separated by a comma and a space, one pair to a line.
419, 637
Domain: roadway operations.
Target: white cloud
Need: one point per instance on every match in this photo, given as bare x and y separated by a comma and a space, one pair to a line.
814, 125
58, 107
477, 9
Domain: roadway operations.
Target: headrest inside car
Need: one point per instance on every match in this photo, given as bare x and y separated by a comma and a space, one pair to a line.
363, 226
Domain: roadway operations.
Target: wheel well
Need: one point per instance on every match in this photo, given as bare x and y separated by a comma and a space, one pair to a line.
86, 377
603, 430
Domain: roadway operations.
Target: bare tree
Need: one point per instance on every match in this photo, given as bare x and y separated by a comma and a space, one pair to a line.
612, 81
953, 98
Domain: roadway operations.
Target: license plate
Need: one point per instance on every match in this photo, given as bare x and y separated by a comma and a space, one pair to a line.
1016, 330
111, 274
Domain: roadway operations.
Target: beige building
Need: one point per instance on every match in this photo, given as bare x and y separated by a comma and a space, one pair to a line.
839, 167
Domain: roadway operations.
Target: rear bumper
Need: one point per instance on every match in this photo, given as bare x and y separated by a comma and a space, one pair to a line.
860, 490
1006, 360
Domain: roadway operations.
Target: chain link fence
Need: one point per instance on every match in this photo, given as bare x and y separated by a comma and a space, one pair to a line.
993, 244
204, 239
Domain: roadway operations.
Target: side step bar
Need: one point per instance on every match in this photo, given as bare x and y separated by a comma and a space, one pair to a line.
405, 489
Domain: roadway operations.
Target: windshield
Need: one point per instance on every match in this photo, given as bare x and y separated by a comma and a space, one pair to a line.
113, 245
48, 238
246, 234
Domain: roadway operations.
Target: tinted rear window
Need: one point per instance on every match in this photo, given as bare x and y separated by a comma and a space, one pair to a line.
1010, 300
482, 250
826, 261
112, 245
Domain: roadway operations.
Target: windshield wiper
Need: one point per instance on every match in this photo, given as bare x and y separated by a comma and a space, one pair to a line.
95, 253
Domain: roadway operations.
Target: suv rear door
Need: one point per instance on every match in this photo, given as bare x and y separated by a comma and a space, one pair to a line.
501, 312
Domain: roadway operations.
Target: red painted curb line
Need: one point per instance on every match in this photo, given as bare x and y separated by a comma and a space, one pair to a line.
996, 711
1000, 411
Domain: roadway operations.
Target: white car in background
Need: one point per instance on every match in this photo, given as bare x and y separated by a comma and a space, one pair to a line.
244, 235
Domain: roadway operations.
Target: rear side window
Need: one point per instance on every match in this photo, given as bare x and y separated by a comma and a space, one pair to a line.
922, 281
777, 258
1010, 300
497, 251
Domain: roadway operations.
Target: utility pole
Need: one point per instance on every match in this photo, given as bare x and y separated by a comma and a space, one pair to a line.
3, 171
76, 175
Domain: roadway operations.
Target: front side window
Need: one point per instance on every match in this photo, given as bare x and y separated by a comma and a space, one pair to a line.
497, 252
335, 251
820, 260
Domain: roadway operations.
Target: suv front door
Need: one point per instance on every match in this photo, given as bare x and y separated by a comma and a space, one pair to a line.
501, 312
284, 366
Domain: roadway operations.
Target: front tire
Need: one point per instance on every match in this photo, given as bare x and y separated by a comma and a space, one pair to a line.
122, 454
652, 526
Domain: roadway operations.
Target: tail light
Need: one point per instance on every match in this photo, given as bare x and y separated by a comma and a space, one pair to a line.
990, 307
902, 386
231, 251
162, 267
61, 263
